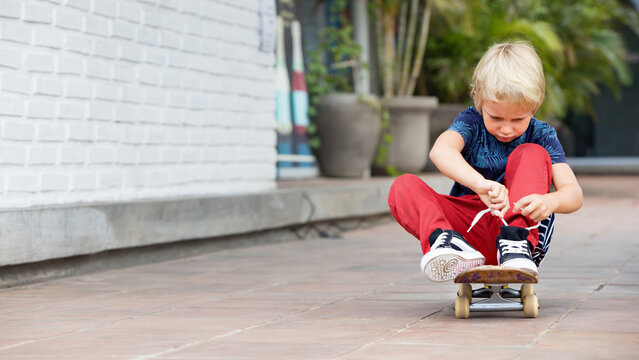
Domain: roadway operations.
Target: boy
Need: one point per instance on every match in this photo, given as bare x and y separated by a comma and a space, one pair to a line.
502, 161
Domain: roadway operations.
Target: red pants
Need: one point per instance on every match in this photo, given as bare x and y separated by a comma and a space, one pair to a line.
420, 210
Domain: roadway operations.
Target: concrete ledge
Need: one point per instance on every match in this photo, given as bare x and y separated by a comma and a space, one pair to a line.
14, 275
605, 165
31, 236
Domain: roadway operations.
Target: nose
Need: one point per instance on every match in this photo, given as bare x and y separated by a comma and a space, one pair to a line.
506, 130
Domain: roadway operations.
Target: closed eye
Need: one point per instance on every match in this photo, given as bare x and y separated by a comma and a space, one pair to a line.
499, 118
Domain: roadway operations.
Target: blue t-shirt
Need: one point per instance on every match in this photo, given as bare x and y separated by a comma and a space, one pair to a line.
488, 155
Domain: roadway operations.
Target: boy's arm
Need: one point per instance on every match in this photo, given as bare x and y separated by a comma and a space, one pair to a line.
568, 196
566, 199
446, 155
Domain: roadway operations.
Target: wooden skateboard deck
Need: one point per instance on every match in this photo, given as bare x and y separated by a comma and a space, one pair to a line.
490, 274
495, 294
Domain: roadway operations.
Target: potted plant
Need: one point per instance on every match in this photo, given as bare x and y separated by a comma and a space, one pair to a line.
345, 123
402, 31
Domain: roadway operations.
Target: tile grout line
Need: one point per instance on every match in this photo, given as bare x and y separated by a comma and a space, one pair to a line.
573, 309
393, 333
237, 331
91, 298
127, 317
234, 332
224, 297
17, 345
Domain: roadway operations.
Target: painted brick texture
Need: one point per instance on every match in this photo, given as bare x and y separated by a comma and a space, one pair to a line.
119, 101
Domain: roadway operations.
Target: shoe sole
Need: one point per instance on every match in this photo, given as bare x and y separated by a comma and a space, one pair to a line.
521, 264
445, 264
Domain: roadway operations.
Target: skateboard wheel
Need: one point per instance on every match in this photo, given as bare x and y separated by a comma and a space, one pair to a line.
526, 289
531, 306
462, 307
466, 290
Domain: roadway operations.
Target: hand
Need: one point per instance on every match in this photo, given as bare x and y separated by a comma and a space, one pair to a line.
495, 196
537, 207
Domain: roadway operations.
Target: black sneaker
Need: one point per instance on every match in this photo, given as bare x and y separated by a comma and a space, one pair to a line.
513, 248
449, 256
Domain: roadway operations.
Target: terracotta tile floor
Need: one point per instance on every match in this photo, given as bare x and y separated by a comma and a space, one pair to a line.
358, 297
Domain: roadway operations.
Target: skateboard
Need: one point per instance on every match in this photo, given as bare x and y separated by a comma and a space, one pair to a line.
495, 294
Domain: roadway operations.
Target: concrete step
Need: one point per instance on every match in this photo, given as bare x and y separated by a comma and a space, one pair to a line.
43, 243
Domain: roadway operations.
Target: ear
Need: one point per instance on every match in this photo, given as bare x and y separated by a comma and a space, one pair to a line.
476, 103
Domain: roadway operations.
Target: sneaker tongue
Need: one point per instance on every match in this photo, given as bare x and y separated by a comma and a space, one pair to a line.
513, 233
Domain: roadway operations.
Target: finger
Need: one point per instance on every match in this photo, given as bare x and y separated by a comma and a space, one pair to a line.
523, 202
496, 190
501, 205
486, 201
500, 210
497, 199
499, 196
485, 187
540, 214
505, 209
537, 217
528, 209
503, 194
534, 215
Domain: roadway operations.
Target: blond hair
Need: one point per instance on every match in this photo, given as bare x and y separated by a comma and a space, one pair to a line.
509, 72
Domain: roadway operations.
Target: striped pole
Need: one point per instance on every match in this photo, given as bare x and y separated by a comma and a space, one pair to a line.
283, 125
300, 98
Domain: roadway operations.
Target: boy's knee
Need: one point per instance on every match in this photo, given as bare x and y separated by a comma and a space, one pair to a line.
531, 151
404, 183
530, 147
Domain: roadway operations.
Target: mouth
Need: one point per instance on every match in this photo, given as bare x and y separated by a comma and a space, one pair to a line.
505, 138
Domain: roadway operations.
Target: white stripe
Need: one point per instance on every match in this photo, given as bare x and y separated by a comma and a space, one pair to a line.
545, 237
461, 244
549, 236
298, 158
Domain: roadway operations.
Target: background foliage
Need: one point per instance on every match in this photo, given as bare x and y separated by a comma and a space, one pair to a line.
579, 42
330, 66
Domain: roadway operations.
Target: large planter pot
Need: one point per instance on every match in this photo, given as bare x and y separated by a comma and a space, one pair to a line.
440, 120
443, 117
410, 128
348, 129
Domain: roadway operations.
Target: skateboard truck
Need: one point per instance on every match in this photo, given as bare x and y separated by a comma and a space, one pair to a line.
496, 299
495, 294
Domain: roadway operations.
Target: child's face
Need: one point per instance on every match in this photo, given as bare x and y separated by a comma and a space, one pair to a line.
505, 121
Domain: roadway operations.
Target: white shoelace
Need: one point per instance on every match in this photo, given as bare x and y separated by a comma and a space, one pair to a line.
514, 247
481, 213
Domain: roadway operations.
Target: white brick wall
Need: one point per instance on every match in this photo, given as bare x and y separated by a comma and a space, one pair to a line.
116, 101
